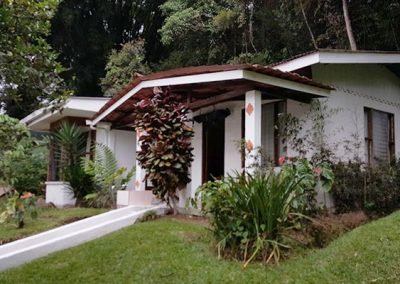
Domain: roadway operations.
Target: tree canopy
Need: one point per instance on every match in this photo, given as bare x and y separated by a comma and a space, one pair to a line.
85, 36
29, 72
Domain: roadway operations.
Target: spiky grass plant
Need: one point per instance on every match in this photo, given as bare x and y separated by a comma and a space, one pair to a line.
250, 213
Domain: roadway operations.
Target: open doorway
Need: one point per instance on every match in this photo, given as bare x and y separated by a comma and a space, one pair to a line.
213, 144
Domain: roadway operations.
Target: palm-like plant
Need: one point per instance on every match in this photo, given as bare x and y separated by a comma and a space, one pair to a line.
69, 142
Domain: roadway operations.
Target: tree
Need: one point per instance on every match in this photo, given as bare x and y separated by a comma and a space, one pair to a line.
122, 65
29, 72
349, 28
85, 31
165, 139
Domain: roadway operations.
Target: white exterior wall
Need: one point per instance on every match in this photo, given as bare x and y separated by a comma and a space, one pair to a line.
232, 157
122, 143
357, 86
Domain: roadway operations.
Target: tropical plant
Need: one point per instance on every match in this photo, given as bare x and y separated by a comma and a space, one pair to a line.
249, 214
165, 139
107, 177
69, 145
17, 207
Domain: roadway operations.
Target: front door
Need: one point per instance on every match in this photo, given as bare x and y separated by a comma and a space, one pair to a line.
213, 148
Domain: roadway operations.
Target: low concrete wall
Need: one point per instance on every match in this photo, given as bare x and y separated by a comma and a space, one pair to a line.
25, 250
60, 194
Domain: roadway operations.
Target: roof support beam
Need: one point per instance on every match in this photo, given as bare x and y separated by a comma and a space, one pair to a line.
287, 84
219, 98
200, 78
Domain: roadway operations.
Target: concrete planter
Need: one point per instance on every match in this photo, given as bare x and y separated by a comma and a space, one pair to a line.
60, 194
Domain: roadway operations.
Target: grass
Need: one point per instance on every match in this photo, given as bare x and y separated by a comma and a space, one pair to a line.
48, 218
170, 251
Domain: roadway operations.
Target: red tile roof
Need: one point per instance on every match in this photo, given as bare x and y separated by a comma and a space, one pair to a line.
211, 69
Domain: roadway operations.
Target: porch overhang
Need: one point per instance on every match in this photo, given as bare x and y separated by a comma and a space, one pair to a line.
207, 85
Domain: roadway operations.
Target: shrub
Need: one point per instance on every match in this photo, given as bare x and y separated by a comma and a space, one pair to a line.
373, 189
165, 139
17, 207
25, 167
23, 160
69, 142
250, 213
106, 176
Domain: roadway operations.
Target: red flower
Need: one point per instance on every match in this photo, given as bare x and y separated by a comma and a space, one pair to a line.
26, 195
281, 160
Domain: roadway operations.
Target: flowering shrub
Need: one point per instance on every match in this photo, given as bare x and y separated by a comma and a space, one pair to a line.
17, 207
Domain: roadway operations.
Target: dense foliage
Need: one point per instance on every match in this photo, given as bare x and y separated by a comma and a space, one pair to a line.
25, 167
85, 32
107, 177
122, 66
29, 72
373, 189
165, 143
23, 159
187, 32
250, 213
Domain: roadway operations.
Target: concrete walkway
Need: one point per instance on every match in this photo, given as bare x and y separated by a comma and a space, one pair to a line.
18, 252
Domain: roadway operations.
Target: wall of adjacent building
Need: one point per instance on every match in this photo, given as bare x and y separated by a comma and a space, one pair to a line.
356, 87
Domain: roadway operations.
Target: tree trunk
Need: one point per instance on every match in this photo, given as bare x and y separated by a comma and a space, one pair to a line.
174, 205
349, 29
308, 26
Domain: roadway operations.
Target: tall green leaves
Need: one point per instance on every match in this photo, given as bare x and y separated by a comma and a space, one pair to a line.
69, 146
249, 214
29, 72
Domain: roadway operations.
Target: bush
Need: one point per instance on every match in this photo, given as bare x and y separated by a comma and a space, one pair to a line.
249, 214
17, 207
25, 167
372, 189
23, 160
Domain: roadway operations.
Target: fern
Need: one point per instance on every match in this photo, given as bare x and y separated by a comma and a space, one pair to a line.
107, 176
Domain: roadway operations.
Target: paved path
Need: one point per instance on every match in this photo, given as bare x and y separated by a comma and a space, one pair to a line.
18, 252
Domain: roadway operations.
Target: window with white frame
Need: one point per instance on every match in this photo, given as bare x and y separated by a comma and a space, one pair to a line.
379, 136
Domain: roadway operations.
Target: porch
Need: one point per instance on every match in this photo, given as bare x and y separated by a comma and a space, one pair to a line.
229, 104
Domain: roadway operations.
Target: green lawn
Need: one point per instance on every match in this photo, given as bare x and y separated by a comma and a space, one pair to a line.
170, 251
48, 218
